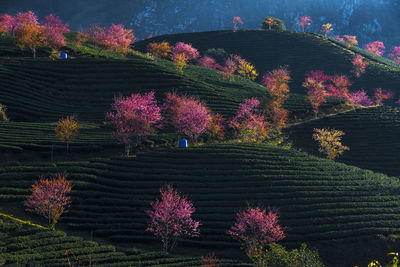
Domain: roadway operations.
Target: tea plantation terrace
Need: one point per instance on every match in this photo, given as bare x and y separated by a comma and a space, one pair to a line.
371, 133
319, 201
24, 244
302, 52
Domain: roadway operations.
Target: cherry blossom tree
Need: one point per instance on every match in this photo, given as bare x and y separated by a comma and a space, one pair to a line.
67, 128
382, 95
49, 198
190, 52
207, 62
305, 22
376, 48
360, 98
134, 116
337, 37
249, 123
255, 227
54, 31
8, 24
316, 85
395, 54
170, 218
228, 69
188, 115
359, 65
339, 86
209, 261
116, 37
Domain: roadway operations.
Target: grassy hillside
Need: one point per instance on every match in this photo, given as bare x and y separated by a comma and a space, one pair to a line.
372, 135
301, 51
319, 201
25, 244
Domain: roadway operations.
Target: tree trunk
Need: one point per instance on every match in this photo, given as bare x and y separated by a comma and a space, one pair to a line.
67, 146
34, 52
127, 149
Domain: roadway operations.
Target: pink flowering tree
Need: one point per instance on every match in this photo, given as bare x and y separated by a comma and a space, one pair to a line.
170, 218
337, 37
207, 62
376, 48
134, 116
8, 24
228, 69
116, 37
190, 52
359, 65
305, 22
360, 98
54, 31
395, 54
256, 227
316, 83
49, 198
249, 123
382, 95
188, 115
339, 86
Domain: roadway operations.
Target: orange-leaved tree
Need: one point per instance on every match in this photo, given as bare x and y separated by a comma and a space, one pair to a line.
67, 128
30, 35
276, 82
350, 40
329, 141
326, 28
159, 50
271, 22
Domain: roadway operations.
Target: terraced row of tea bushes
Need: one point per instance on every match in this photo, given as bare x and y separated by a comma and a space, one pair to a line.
22, 244
48, 90
319, 200
40, 137
302, 52
372, 135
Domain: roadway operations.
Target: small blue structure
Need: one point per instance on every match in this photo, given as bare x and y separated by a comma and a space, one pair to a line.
183, 143
63, 55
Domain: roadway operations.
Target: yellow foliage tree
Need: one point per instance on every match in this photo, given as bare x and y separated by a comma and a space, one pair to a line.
180, 61
330, 142
67, 128
350, 40
326, 28
271, 22
30, 35
159, 49
246, 70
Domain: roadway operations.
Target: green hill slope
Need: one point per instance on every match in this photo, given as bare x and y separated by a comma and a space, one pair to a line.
23, 244
372, 135
301, 51
319, 201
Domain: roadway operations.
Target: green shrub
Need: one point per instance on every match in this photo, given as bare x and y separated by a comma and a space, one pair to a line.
219, 54
277, 256
280, 26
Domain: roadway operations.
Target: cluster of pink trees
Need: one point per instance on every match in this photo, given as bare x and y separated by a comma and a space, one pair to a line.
28, 32
116, 37
171, 218
320, 86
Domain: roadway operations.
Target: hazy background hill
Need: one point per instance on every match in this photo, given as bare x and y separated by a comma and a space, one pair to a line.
370, 20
